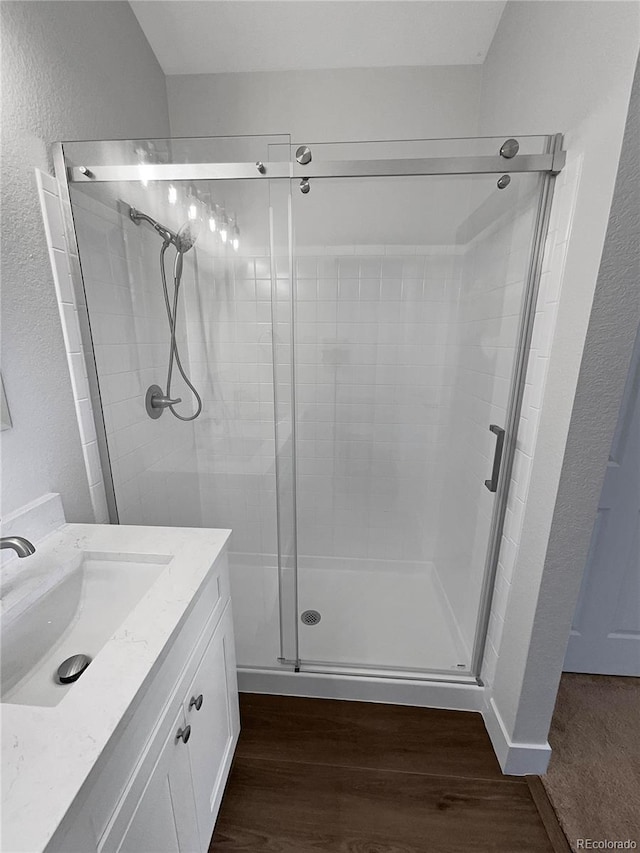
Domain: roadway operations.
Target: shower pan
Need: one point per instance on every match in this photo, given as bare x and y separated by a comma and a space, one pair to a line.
359, 355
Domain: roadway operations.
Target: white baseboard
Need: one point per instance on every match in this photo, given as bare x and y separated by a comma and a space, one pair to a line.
516, 759
396, 691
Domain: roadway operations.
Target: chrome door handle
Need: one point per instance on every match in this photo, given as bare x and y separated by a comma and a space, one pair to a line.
492, 484
196, 702
183, 734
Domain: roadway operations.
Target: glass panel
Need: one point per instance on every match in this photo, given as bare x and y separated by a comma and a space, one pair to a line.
219, 469
407, 304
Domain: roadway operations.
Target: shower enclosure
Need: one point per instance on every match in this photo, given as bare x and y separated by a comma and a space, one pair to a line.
356, 319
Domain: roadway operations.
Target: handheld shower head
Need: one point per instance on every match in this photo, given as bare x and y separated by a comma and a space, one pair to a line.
186, 237
183, 240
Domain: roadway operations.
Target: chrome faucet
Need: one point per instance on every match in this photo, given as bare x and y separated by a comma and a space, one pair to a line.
21, 546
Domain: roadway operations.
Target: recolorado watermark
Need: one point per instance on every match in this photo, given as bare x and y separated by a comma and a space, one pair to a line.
594, 844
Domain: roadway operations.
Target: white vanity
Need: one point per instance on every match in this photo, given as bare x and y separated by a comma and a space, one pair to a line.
135, 754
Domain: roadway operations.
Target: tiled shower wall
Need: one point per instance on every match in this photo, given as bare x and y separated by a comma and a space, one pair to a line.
230, 353
370, 371
371, 334
228, 316
370, 374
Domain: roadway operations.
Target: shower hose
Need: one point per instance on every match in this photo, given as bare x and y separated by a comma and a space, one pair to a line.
172, 316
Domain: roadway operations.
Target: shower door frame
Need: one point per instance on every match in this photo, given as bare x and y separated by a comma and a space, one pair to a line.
549, 165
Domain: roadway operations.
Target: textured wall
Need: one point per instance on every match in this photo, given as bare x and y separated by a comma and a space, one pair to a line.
70, 70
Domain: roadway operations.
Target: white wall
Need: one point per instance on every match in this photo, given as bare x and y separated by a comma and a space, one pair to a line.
69, 70
314, 106
537, 78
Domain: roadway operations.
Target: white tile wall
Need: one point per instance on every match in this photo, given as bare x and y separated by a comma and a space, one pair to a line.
228, 321
60, 258
370, 352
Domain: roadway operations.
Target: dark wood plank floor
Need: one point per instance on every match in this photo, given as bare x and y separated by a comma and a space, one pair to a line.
325, 776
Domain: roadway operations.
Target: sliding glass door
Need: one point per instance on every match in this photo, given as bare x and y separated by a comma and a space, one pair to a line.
354, 319
408, 298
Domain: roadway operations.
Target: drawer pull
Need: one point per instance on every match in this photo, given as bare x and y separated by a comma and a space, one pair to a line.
183, 734
195, 701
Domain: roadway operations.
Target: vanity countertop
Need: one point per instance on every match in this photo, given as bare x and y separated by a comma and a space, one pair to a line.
48, 752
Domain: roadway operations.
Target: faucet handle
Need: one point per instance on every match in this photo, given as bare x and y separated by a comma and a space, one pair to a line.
160, 401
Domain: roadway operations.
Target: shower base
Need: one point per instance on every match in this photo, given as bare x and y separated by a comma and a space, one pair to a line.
377, 613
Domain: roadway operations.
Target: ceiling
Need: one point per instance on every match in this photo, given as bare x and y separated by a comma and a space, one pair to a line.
213, 36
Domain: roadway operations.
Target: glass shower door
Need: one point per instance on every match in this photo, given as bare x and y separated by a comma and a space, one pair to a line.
354, 331
408, 298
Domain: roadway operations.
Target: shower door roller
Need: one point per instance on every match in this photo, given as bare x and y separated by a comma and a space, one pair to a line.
303, 155
492, 484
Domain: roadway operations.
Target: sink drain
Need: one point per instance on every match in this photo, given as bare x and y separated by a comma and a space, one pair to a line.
310, 617
72, 668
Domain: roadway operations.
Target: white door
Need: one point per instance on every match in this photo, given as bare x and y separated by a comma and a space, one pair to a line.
211, 708
164, 820
605, 637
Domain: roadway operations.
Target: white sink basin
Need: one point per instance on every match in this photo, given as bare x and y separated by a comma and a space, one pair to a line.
48, 616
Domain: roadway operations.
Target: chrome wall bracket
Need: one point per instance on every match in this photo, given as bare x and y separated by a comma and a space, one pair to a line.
304, 186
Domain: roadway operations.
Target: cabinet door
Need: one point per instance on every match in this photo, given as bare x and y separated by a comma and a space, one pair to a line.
215, 725
164, 820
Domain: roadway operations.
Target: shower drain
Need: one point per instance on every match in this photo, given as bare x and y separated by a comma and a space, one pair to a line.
310, 617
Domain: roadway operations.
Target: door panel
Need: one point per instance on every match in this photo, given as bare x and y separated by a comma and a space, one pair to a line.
408, 296
605, 637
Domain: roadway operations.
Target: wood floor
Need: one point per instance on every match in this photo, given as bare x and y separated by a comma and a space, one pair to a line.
326, 776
